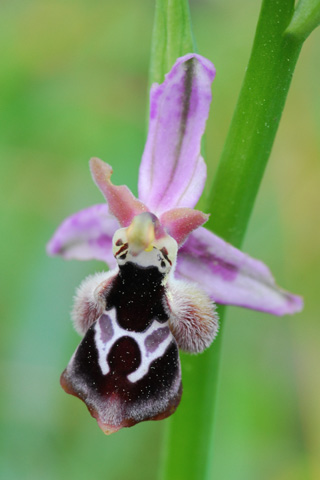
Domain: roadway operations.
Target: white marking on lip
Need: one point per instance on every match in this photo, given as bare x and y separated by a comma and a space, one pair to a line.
146, 357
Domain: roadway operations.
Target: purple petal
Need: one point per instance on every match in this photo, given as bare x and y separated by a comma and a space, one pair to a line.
172, 172
232, 277
86, 235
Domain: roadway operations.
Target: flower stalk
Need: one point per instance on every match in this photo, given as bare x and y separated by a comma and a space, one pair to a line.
305, 19
255, 121
172, 37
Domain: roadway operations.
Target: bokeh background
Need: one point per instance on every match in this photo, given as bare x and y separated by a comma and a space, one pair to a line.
73, 84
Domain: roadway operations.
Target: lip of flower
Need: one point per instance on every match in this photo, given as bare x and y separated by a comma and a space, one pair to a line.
171, 179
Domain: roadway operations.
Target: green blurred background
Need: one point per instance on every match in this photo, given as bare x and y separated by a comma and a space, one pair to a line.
73, 84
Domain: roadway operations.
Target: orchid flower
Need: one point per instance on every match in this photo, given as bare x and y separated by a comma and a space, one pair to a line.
166, 269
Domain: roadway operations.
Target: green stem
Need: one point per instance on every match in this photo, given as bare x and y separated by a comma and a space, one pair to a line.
172, 36
305, 19
247, 149
255, 121
189, 437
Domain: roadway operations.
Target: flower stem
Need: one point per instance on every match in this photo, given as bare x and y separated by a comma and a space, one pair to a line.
305, 19
255, 121
189, 434
172, 37
246, 152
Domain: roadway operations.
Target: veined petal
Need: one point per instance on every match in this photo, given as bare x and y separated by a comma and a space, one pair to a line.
172, 171
122, 203
86, 235
232, 277
180, 222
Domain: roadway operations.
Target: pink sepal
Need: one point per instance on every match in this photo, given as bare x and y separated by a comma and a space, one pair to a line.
180, 222
172, 171
122, 203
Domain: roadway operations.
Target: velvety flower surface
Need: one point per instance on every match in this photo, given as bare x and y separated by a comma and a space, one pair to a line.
171, 179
